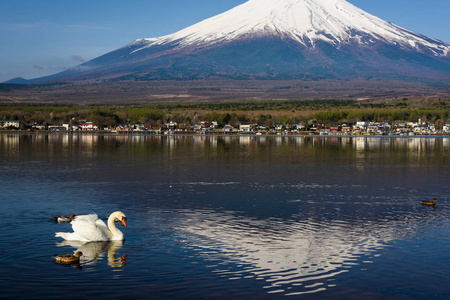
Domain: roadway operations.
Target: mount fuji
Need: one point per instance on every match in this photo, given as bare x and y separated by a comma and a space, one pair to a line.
276, 39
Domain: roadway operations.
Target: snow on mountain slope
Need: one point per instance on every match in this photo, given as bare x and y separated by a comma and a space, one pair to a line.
276, 39
336, 22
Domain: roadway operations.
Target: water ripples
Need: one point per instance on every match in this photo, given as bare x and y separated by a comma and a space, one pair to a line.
292, 258
274, 221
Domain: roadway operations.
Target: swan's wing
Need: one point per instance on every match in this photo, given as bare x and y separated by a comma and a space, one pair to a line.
89, 218
69, 236
101, 225
90, 228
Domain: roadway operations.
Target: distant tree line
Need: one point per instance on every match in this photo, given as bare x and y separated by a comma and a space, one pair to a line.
327, 112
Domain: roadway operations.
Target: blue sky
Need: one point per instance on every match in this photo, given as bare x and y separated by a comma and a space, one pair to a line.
42, 37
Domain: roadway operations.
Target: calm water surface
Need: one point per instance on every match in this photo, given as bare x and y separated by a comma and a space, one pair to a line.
228, 217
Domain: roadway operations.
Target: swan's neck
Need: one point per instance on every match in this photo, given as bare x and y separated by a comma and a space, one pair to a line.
116, 234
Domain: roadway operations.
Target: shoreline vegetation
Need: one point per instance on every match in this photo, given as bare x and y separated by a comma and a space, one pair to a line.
266, 117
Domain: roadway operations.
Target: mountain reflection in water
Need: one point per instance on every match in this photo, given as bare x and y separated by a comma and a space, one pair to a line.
228, 216
285, 254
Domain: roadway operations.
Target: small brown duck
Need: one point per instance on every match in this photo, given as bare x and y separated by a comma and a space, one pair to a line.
68, 258
429, 203
61, 219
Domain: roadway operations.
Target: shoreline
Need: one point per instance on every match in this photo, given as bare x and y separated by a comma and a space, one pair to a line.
218, 134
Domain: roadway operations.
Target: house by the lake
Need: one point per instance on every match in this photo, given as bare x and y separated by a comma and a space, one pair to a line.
89, 126
9, 124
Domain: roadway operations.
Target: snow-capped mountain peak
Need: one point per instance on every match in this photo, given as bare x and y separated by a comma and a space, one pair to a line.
277, 39
305, 21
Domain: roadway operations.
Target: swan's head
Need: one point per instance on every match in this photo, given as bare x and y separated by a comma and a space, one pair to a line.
120, 217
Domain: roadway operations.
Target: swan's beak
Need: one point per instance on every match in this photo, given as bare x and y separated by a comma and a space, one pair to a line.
124, 222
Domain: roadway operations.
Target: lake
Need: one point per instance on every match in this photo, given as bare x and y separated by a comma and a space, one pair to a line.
223, 217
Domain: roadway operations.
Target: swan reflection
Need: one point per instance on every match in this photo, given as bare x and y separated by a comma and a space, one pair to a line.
93, 252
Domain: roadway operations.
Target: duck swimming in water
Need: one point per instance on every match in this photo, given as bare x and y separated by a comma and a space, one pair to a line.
68, 258
429, 203
61, 219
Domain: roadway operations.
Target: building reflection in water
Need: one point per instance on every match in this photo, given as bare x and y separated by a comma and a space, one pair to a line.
88, 146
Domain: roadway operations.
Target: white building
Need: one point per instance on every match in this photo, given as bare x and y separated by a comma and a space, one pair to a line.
245, 128
298, 127
89, 126
171, 125
9, 123
228, 128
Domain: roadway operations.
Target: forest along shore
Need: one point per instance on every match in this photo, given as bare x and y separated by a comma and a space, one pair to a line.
322, 117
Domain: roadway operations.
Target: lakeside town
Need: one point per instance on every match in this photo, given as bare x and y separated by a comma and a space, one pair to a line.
358, 128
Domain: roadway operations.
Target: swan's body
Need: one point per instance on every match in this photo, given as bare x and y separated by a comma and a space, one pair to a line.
429, 203
60, 219
68, 258
89, 228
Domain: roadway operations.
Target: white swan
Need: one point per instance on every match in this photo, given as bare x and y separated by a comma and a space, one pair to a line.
89, 228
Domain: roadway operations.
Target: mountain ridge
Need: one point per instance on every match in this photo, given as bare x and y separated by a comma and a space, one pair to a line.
276, 39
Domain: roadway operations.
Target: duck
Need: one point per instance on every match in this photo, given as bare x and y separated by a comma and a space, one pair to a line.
61, 219
89, 228
68, 258
429, 203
